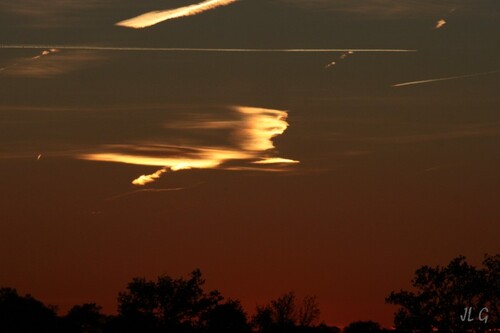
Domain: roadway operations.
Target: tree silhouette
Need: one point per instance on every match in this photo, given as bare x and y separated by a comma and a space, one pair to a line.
228, 317
309, 311
284, 315
364, 327
24, 314
442, 295
85, 318
175, 305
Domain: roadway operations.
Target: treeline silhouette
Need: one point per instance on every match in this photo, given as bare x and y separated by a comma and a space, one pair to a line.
182, 305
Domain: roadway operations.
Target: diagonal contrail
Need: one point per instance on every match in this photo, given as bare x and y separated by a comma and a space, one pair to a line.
445, 79
190, 49
155, 17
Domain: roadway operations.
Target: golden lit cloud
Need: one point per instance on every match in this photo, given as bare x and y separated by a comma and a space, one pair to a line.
146, 179
276, 160
252, 138
155, 17
260, 126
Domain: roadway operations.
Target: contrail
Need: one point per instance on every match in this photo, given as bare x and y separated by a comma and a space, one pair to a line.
444, 79
155, 17
146, 190
190, 49
43, 54
343, 56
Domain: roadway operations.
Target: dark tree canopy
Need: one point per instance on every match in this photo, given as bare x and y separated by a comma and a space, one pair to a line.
24, 314
363, 327
85, 318
442, 294
228, 317
171, 304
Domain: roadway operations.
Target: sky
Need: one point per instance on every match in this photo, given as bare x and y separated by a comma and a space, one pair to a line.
147, 138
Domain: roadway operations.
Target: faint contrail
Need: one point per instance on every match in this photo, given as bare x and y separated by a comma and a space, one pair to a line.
444, 79
343, 56
155, 17
43, 54
189, 49
146, 190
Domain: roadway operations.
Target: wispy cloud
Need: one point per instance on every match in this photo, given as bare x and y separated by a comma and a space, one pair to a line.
455, 132
155, 17
49, 14
385, 9
252, 143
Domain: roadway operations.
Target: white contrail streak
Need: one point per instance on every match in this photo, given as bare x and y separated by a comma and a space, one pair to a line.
155, 17
190, 49
444, 79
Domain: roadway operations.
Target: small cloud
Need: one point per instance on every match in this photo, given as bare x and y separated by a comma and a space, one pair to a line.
440, 24
333, 63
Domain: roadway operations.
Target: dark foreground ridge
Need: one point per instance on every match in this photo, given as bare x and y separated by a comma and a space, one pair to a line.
455, 298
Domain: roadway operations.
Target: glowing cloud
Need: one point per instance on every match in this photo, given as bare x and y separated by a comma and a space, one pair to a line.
276, 160
440, 24
155, 17
252, 136
260, 126
146, 179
